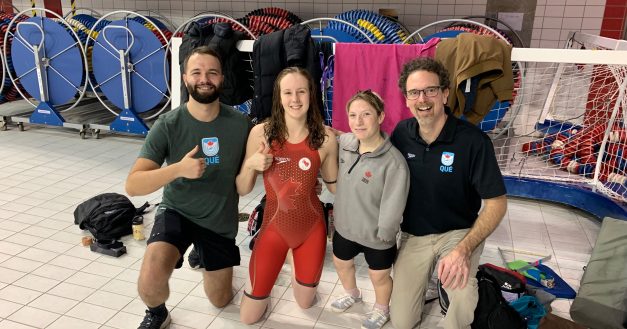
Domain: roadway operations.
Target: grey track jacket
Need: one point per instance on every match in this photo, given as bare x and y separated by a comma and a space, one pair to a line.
371, 193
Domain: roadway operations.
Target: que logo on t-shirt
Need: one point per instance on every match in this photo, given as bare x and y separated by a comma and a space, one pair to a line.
211, 147
304, 164
447, 162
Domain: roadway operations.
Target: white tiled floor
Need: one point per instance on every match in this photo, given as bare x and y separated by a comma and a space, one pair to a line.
48, 280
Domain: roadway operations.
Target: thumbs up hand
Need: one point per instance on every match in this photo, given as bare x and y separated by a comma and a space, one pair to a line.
191, 167
261, 159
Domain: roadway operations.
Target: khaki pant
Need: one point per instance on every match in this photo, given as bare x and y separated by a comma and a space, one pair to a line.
415, 263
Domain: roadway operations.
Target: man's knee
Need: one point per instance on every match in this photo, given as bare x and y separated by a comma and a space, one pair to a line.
153, 275
149, 293
405, 314
218, 286
219, 297
463, 303
469, 293
159, 261
152, 284
407, 321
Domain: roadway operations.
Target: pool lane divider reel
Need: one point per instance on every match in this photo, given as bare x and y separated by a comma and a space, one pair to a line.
130, 67
7, 90
128, 120
49, 64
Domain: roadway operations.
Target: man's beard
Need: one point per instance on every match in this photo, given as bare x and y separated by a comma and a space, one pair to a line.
203, 97
425, 119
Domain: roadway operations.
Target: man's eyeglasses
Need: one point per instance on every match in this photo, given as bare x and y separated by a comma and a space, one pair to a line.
429, 92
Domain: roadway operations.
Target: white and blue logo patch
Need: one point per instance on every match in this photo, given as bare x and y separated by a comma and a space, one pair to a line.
210, 146
448, 158
447, 162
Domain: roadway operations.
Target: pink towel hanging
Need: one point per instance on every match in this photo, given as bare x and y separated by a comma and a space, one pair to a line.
360, 66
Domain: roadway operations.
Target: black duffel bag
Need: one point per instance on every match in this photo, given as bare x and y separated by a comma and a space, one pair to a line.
107, 216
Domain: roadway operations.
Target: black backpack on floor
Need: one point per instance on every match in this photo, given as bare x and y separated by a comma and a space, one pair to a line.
492, 310
107, 216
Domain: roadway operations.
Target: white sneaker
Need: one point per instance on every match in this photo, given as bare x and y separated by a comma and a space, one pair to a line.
344, 303
375, 320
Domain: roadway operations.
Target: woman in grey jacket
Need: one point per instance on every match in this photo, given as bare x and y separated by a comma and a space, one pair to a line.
373, 182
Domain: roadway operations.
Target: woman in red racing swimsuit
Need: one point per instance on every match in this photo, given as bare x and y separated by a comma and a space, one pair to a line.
290, 148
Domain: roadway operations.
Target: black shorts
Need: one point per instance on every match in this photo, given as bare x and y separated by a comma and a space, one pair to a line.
345, 249
216, 252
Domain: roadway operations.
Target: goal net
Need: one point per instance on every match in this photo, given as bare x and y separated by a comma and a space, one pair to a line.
566, 123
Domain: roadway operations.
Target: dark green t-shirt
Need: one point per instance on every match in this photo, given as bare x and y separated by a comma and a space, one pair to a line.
210, 201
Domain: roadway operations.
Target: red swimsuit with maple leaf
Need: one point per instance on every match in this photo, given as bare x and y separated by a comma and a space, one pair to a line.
293, 219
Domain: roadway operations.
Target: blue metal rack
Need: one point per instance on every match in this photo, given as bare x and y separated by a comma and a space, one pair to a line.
48, 60
129, 68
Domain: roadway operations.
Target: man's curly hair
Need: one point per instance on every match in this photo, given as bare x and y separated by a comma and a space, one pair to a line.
424, 64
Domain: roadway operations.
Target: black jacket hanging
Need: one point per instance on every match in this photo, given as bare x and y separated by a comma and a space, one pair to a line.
272, 53
237, 85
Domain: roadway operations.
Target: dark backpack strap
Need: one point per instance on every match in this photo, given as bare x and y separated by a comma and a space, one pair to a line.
142, 209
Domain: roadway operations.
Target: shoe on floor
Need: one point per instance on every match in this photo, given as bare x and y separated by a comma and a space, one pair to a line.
344, 303
242, 217
375, 320
155, 321
194, 259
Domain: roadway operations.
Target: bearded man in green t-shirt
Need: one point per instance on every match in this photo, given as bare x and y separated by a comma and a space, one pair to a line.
203, 144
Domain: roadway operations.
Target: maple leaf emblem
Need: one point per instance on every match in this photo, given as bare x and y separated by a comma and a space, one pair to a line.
287, 194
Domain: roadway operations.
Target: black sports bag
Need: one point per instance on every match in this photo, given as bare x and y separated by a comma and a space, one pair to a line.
107, 216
